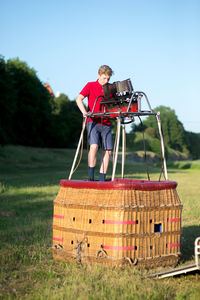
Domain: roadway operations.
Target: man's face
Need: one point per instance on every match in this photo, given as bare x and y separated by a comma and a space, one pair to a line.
103, 79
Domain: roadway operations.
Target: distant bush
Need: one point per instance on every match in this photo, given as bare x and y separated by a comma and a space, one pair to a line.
155, 146
150, 131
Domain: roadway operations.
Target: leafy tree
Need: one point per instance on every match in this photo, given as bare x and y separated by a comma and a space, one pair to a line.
155, 146
193, 144
67, 122
25, 105
173, 130
150, 131
30, 115
8, 104
60, 104
33, 113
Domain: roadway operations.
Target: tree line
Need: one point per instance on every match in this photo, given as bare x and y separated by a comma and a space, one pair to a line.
31, 116
175, 136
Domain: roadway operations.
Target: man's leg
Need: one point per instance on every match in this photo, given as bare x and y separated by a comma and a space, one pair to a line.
104, 162
93, 138
92, 155
107, 146
92, 160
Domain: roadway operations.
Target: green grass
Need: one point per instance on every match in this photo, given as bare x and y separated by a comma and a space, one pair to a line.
29, 182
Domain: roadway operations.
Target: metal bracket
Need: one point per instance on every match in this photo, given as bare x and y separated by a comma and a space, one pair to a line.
184, 269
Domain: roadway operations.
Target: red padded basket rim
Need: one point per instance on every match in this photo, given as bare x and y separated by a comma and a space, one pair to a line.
119, 184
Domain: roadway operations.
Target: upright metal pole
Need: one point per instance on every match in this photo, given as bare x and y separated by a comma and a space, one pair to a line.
162, 144
123, 149
117, 148
197, 252
78, 147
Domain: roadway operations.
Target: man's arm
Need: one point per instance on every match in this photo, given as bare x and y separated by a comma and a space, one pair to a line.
79, 102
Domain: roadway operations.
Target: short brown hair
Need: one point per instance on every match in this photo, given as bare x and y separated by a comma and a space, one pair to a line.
105, 70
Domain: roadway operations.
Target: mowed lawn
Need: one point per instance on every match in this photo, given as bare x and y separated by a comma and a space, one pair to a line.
29, 182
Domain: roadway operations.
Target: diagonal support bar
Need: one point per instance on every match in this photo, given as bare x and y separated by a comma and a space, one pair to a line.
117, 148
123, 149
162, 145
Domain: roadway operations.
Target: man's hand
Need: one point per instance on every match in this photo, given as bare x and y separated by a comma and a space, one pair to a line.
87, 114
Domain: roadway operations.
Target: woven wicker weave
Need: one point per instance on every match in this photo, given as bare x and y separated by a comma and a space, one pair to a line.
118, 222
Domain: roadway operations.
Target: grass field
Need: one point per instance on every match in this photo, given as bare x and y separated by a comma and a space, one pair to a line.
29, 182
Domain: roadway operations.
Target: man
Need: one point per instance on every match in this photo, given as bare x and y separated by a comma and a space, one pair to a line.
98, 128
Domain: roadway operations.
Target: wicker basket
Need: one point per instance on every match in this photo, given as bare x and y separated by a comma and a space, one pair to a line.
117, 222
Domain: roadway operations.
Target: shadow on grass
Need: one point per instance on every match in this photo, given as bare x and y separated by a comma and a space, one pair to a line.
189, 234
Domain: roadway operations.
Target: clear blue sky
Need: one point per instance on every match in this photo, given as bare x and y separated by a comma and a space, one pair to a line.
155, 43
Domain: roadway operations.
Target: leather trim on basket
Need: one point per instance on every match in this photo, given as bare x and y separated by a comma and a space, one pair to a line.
120, 184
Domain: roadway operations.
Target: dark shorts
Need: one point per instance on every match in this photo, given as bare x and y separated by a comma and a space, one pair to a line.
100, 135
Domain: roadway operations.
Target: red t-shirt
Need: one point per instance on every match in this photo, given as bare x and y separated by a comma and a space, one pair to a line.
92, 90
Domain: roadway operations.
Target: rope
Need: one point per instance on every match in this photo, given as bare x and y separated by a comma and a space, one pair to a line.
103, 252
77, 150
114, 147
131, 262
161, 170
88, 153
81, 154
124, 148
102, 148
79, 249
145, 155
